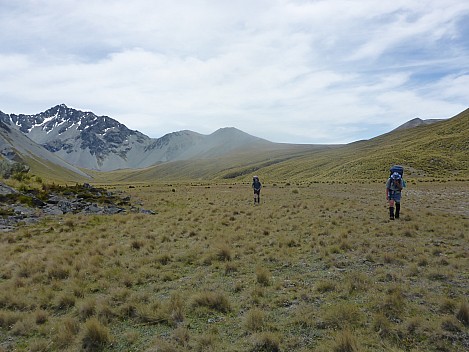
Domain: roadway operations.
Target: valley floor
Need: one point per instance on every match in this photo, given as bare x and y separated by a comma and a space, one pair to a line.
314, 267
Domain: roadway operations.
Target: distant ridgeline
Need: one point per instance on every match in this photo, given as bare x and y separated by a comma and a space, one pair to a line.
63, 138
101, 143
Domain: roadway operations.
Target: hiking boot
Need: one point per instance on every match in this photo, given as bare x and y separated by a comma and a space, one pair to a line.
391, 213
398, 208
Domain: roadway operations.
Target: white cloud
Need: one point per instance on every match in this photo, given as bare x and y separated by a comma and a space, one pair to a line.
288, 71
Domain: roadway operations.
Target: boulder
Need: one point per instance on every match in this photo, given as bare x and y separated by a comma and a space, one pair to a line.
4, 189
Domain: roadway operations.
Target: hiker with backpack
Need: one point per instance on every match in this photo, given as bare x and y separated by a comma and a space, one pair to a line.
256, 185
394, 186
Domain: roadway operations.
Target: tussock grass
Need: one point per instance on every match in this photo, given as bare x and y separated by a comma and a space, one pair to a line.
342, 314
224, 252
266, 342
96, 336
263, 276
207, 342
39, 345
463, 313
324, 286
87, 309
66, 330
321, 269
23, 327
255, 320
345, 342
40, 317
213, 300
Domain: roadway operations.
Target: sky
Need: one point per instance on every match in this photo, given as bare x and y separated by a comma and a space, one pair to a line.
290, 71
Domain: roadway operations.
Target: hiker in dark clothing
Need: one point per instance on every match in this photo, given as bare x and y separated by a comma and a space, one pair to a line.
256, 185
394, 186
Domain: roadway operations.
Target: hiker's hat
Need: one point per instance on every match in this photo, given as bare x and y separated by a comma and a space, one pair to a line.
396, 176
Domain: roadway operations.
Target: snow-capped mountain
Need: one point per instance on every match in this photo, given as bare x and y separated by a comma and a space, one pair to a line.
102, 143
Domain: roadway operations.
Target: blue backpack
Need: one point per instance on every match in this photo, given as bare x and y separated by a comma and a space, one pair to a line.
400, 170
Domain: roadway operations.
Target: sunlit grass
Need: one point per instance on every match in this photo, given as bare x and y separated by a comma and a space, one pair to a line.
318, 269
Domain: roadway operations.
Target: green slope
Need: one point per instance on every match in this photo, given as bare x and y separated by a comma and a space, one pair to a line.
53, 172
440, 150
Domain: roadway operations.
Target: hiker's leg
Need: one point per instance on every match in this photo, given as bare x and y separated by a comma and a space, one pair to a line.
391, 208
398, 209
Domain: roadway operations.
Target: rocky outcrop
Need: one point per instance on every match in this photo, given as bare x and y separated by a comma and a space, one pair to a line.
29, 206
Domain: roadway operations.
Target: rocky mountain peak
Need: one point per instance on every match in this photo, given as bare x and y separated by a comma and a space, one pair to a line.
86, 140
85, 120
69, 131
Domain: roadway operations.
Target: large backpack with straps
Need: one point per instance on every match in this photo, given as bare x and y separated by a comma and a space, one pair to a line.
256, 184
400, 170
396, 168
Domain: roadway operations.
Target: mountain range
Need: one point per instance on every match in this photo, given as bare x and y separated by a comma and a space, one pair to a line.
101, 143
82, 143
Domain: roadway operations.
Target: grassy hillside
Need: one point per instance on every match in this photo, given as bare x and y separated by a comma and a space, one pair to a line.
438, 151
53, 172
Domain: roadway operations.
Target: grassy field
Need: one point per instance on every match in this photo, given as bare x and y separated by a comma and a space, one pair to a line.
316, 267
